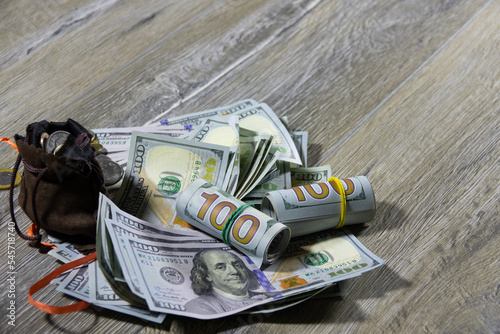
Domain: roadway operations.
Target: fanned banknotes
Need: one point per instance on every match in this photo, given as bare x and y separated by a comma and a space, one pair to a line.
252, 116
192, 274
174, 281
261, 118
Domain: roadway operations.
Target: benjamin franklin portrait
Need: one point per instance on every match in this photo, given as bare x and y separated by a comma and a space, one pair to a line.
223, 283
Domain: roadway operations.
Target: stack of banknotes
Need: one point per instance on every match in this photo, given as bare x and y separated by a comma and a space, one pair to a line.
217, 214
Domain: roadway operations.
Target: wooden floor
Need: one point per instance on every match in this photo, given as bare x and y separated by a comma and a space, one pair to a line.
405, 92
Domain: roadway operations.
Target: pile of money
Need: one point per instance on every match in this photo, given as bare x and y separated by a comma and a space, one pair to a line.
149, 270
216, 214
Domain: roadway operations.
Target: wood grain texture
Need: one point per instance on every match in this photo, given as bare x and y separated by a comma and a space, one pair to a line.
27, 25
69, 57
405, 92
321, 63
437, 142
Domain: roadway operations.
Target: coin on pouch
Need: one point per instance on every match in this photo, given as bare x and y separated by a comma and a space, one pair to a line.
43, 140
56, 139
5, 176
98, 148
94, 139
59, 150
111, 171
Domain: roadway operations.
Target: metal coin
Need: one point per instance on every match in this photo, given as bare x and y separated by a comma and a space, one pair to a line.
94, 139
59, 150
43, 139
56, 139
97, 147
111, 171
5, 176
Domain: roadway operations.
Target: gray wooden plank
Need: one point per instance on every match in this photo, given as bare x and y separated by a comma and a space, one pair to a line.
27, 25
74, 53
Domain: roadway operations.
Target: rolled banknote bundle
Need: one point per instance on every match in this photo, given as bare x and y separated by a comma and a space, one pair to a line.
317, 207
223, 216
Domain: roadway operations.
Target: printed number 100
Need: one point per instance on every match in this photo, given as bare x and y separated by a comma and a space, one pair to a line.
224, 209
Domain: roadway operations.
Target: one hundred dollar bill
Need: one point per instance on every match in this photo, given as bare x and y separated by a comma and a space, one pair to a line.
160, 167
198, 117
176, 284
315, 207
224, 132
301, 176
263, 119
172, 285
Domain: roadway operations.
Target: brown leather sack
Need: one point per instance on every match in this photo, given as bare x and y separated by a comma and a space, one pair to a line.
59, 194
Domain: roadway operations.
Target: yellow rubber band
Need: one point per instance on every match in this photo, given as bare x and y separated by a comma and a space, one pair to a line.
343, 201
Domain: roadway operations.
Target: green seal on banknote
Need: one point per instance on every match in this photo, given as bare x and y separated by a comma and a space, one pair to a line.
172, 275
169, 185
315, 259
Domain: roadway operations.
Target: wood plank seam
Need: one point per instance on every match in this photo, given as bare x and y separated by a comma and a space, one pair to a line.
401, 85
71, 21
131, 61
256, 50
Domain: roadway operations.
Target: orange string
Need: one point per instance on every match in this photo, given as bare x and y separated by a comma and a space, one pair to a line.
31, 233
46, 281
10, 142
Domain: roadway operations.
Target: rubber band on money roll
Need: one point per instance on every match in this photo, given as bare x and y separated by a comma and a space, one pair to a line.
230, 221
343, 201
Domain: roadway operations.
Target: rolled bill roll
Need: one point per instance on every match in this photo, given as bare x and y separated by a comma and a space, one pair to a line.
210, 209
316, 207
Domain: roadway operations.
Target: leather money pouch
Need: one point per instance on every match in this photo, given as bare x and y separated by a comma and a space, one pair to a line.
61, 181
